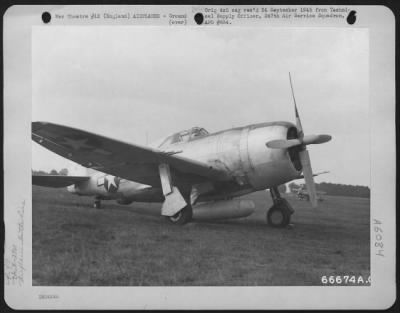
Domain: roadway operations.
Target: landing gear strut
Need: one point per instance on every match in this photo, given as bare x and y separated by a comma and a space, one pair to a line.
97, 204
279, 214
175, 207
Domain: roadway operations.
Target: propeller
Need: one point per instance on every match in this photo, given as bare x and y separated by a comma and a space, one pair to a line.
301, 142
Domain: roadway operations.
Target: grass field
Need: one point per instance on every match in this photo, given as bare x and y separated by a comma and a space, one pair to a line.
74, 244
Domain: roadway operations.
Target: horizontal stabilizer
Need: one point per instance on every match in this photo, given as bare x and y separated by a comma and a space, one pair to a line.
57, 181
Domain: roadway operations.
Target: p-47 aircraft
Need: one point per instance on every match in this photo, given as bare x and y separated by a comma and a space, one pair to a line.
189, 170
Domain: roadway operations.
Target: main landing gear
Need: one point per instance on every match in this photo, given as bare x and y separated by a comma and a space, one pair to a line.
279, 214
176, 208
182, 217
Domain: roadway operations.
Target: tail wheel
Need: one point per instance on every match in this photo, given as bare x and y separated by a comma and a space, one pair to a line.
278, 217
182, 217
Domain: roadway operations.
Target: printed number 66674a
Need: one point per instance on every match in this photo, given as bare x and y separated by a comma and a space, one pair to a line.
345, 279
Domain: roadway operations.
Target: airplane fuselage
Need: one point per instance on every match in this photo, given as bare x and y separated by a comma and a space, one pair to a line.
240, 152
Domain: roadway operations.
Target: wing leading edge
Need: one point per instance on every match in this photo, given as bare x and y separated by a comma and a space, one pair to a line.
132, 162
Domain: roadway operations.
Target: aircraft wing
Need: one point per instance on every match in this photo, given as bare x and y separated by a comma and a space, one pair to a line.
132, 162
57, 181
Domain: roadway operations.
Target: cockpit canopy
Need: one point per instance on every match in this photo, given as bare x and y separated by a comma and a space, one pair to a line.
184, 136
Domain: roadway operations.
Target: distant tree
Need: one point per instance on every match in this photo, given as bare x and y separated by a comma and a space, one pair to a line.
63, 172
336, 189
38, 173
344, 190
53, 172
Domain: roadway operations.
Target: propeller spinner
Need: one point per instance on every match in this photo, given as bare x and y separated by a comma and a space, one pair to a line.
302, 141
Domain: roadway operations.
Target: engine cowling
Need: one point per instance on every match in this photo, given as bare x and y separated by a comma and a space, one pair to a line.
271, 167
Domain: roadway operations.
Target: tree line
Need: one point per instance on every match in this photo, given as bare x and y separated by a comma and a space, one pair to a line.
339, 189
63, 171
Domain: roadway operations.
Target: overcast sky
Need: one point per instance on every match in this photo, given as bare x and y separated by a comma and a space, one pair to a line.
124, 82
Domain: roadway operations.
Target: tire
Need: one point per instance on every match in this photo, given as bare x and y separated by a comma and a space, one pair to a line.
182, 217
278, 217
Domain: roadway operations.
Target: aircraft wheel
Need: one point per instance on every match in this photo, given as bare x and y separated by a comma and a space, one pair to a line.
278, 217
182, 217
97, 204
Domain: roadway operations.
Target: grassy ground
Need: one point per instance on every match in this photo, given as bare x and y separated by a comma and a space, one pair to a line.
74, 244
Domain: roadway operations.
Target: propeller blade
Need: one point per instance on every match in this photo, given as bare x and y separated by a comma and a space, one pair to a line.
316, 139
298, 121
307, 140
283, 143
308, 176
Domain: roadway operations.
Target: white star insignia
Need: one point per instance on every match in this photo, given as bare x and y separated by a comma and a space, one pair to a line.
111, 181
